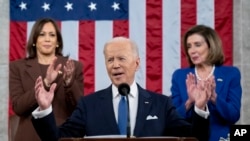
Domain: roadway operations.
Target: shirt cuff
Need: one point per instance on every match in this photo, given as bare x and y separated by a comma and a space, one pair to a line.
41, 113
202, 113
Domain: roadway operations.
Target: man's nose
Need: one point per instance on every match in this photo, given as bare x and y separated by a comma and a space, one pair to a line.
116, 63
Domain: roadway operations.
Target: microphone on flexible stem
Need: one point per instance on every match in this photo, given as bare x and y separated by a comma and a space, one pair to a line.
124, 90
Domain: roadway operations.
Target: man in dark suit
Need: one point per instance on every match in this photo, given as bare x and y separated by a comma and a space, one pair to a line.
151, 114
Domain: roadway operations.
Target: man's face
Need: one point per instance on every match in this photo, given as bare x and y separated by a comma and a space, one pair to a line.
121, 62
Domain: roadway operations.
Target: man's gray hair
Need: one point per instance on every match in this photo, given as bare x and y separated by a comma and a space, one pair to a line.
121, 38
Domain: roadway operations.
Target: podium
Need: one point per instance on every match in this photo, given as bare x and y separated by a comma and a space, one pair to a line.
133, 139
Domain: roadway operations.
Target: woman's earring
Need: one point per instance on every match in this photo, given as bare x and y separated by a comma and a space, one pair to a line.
33, 45
57, 45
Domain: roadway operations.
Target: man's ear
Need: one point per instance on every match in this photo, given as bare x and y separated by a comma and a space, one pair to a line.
137, 64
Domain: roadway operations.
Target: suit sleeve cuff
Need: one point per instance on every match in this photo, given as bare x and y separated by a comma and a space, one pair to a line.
40, 114
202, 113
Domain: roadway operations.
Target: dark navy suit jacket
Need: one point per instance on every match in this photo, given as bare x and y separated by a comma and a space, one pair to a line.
94, 115
226, 111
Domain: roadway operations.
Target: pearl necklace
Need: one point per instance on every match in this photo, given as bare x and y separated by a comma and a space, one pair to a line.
209, 75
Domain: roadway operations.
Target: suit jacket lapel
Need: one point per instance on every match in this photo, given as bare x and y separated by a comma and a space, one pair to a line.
107, 109
219, 79
33, 69
144, 105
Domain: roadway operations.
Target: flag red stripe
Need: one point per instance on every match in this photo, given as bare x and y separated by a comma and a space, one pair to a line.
224, 27
17, 44
59, 24
87, 54
188, 19
154, 45
120, 28
18, 38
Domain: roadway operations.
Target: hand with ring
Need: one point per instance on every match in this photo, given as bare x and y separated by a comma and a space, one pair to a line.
52, 72
68, 71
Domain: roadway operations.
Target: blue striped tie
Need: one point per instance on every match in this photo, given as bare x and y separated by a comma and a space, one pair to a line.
122, 116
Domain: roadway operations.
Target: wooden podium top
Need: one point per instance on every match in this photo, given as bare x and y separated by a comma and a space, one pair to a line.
132, 139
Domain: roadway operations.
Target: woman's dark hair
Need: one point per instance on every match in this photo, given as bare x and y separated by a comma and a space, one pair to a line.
215, 55
36, 29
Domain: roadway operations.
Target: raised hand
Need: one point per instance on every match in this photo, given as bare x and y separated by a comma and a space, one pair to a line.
44, 98
68, 71
203, 95
52, 72
213, 92
191, 89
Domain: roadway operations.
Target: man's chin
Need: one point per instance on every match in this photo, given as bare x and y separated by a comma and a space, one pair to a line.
117, 83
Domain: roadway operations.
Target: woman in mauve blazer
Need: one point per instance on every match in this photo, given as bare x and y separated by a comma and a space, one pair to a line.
44, 59
203, 48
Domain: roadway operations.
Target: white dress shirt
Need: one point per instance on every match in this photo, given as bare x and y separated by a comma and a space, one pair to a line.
133, 104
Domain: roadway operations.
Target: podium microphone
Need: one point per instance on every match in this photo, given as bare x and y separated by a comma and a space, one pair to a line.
124, 90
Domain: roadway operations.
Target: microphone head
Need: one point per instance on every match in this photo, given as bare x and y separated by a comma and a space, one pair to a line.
123, 89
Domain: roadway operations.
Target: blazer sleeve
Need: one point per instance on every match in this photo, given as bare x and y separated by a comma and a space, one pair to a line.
178, 126
74, 126
179, 94
46, 127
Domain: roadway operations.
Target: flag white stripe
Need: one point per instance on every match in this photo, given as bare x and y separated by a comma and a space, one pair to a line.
205, 12
70, 30
29, 27
103, 33
171, 42
137, 32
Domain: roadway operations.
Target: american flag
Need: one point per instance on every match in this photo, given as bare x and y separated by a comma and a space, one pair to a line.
157, 26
